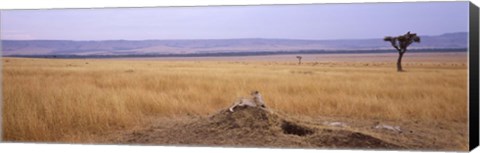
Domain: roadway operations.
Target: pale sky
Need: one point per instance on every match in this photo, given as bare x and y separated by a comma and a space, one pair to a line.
320, 21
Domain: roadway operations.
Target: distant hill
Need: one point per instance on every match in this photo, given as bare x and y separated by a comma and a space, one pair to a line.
213, 46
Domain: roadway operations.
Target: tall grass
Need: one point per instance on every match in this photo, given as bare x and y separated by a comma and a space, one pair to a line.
70, 100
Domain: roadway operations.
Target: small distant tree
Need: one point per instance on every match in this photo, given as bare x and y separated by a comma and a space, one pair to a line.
299, 59
401, 43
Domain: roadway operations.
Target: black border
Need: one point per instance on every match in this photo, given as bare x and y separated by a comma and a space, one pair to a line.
473, 78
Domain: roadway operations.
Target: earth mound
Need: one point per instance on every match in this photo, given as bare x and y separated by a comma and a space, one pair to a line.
251, 119
256, 127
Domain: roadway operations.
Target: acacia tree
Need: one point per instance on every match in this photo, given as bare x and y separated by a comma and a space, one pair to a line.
299, 59
401, 43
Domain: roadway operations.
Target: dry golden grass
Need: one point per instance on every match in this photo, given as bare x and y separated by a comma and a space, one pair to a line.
71, 100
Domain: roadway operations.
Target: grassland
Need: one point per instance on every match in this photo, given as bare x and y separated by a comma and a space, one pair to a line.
72, 100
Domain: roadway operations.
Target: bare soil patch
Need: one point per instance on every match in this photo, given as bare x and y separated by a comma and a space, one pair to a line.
252, 127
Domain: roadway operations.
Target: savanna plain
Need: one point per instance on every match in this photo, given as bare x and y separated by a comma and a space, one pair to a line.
151, 100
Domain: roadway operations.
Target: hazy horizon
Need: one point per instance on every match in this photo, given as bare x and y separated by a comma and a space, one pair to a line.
186, 39
306, 22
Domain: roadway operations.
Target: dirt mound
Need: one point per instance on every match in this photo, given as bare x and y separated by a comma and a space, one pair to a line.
254, 127
245, 117
258, 120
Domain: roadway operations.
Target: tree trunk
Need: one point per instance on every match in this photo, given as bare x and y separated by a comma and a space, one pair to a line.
399, 61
